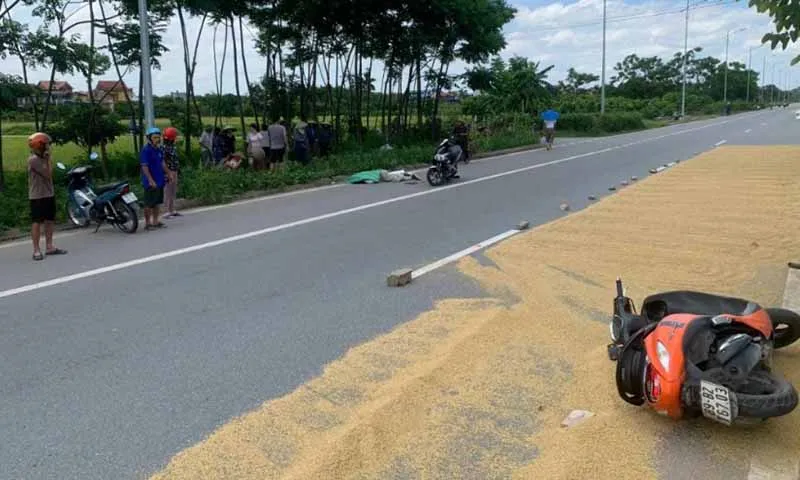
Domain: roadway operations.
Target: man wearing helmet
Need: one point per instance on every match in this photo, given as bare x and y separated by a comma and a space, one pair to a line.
151, 160
41, 194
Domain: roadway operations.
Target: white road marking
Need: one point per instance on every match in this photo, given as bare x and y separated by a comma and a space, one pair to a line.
338, 213
748, 130
463, 253
721, 142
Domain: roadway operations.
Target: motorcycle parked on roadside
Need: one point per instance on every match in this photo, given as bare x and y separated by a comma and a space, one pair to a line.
691, 354
112, 203
444, 166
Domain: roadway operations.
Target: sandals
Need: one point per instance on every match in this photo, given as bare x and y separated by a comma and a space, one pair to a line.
156, 226
38, 256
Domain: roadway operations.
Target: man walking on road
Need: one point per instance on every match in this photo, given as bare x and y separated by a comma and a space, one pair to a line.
153, 167
41, 194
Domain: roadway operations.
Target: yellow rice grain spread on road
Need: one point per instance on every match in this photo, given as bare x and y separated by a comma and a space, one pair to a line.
477, 388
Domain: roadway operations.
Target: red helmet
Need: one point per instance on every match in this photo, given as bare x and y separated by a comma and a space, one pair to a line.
170, 133
38, 141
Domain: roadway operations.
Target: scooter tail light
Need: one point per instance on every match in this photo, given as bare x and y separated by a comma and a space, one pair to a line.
126, 189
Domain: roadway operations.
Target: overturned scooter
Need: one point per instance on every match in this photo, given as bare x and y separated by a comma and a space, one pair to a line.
113, 203
691, 354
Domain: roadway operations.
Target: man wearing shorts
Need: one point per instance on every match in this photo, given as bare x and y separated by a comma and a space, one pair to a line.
549, 118
41, 194
151, 160
278, 141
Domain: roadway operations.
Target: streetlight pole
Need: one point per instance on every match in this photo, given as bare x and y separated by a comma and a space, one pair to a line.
685, 53
603, 72
764, 79
147, 86
772, 90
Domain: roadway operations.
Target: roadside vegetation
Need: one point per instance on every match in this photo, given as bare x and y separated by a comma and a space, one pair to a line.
330, 74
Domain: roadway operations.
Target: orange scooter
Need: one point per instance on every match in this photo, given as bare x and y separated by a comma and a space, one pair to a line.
691, 354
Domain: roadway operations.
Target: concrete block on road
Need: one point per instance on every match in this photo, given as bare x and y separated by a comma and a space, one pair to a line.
523, 225
624, 183
564, 207
399, 278
592, 198
612, 188
634, 178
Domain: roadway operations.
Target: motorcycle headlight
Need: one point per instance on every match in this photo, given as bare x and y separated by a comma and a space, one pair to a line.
440, 157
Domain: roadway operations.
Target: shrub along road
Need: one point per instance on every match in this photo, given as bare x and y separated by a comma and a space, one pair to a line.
132, 348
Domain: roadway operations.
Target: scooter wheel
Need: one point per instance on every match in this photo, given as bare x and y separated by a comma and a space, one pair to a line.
435, 177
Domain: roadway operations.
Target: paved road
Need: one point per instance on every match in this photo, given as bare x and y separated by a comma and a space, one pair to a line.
131, 348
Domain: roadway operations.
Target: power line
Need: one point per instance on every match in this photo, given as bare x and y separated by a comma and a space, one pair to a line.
626, 18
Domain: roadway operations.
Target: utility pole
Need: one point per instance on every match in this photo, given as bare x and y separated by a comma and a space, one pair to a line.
764, 79
685, 53
749, 63
725, 87
147, 88
603, 72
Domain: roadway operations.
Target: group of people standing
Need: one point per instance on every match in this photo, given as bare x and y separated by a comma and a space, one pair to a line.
267, 145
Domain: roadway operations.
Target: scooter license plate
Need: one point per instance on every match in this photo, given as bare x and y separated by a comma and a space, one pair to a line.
717, 402
129, 198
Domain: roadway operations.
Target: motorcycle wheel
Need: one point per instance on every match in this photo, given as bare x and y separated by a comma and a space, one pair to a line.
779, 397
435, 177
129, 214
75, 215
786, 324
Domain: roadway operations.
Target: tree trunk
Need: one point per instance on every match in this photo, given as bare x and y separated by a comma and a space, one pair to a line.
194, 67
236, 80
140, 104
136, 146
187, 114
419, 91
368, 81
246, 75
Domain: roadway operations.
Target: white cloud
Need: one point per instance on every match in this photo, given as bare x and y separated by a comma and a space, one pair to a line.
562, 33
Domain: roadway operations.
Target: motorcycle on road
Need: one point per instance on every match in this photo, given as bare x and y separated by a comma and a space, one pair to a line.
444, 166
692, 354
113, 203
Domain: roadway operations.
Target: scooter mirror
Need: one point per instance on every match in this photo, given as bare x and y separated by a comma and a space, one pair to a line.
93, 156
61, 166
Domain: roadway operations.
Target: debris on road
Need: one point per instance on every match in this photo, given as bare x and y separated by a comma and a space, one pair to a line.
624, 183
658, 170
564, 207
576, 417
634, 178
523, 225
399, 278
592, 198
612, 188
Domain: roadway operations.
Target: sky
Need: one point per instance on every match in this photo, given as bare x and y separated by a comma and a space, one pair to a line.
564, 34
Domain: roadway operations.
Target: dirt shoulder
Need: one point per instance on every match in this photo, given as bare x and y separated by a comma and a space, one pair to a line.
478, 388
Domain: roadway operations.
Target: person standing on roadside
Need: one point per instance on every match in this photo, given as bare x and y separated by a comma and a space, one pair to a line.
277, 142
171, 160
207, 146
301, 145
151, 160
41, 195
255, 146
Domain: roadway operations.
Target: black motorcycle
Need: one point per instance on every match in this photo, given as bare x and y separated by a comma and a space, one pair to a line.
444, 166
113, 203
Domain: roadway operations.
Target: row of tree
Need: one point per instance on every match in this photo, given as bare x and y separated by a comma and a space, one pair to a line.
320, 58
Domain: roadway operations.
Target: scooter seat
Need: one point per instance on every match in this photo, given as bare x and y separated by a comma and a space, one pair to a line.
99, 190
657, 306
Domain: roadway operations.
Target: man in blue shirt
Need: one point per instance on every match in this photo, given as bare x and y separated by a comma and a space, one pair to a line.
151, 159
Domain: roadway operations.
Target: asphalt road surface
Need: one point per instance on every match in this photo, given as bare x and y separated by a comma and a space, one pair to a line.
131, 348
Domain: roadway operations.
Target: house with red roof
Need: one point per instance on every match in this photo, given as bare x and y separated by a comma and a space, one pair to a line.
111, 92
